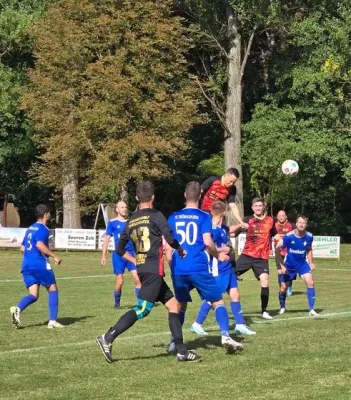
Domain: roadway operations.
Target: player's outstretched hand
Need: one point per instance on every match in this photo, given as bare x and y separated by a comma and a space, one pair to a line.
181, 252
57, 260
103, 261
283, 269
245, 225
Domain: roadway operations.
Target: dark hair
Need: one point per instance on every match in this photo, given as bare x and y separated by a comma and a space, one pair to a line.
193, 191
233, 171
257, 200
41, 210
144, 191
303, 217
218, 207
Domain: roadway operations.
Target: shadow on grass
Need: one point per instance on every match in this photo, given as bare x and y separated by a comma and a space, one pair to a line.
64, 321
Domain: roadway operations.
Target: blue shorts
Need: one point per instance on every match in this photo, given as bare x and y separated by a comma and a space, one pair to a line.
291, 273
120, 264
226, 281
205, 284
42, 277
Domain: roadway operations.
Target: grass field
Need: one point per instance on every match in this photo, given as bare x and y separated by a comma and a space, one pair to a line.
292, 357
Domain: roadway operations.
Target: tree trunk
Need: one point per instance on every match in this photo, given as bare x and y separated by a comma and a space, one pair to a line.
232, 141
71, 209
124, 195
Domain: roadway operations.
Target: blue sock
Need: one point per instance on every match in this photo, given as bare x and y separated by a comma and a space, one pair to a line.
136, 291
26, 301
181, 316
237, 312
53, 305
282, 299
117, 297
311, 296
203, 312
222, 318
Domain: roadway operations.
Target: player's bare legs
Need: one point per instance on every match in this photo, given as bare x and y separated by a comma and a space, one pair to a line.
135, 278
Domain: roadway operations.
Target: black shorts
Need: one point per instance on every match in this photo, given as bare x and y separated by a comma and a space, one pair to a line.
154, 288
258, 265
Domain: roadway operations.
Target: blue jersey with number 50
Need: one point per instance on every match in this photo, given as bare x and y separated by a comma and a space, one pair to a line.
188, 225
32, 257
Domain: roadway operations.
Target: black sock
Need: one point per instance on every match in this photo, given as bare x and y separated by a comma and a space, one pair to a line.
264, 298
125, 322
176, 330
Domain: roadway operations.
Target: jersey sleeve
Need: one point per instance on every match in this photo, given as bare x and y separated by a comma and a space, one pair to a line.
123, 240
208, 183
109, 229
273, 230
42, 235
162, 224
206, 226
232, 194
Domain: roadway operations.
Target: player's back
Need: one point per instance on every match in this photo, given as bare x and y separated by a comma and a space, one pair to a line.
188, 226
297, 248
144, 228
33, 258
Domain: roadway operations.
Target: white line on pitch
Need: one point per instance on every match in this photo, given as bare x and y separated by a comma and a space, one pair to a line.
61, 278
145, 335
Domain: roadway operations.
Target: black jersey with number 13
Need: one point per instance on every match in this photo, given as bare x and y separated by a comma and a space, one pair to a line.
145, 229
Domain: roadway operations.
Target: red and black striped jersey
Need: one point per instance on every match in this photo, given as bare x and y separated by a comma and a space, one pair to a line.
258, 236
283, 229
212, 190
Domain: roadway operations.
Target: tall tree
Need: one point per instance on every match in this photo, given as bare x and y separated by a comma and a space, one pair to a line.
110, 96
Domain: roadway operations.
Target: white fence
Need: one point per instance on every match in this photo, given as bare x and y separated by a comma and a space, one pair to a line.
92, 239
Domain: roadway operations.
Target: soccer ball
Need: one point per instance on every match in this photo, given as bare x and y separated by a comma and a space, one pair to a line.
290, 167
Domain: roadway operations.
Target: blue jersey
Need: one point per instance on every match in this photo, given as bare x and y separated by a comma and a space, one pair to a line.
221, 239
188, 225
32, 257
297, 248
114, 228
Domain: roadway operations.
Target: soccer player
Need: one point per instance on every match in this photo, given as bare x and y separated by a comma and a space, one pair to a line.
114, 228
283, 226
221, 188
223, 273
145, 229
192, 228
299, 247
255, 254
36, 270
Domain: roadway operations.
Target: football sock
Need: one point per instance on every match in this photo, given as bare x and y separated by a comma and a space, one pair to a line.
117, 297
125, 322
181, 316
282, 299
237, 312
203, 312
136, 290
311, 295
176, 331
222, 318
26, 301
264, 298
53, 305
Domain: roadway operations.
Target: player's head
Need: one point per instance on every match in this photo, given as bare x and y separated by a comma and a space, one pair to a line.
42, 212
122, 209
218, 209
301, 222
145, 192
230, 177
258, 206
192, 192
281, 216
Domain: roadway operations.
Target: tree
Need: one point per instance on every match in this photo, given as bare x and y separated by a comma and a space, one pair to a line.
110, 96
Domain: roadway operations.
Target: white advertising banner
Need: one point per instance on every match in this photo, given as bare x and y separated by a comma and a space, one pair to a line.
11, 237
79, 239
326, 246
241, 242
101, 237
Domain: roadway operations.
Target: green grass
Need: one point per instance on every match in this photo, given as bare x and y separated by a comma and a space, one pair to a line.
293, 357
